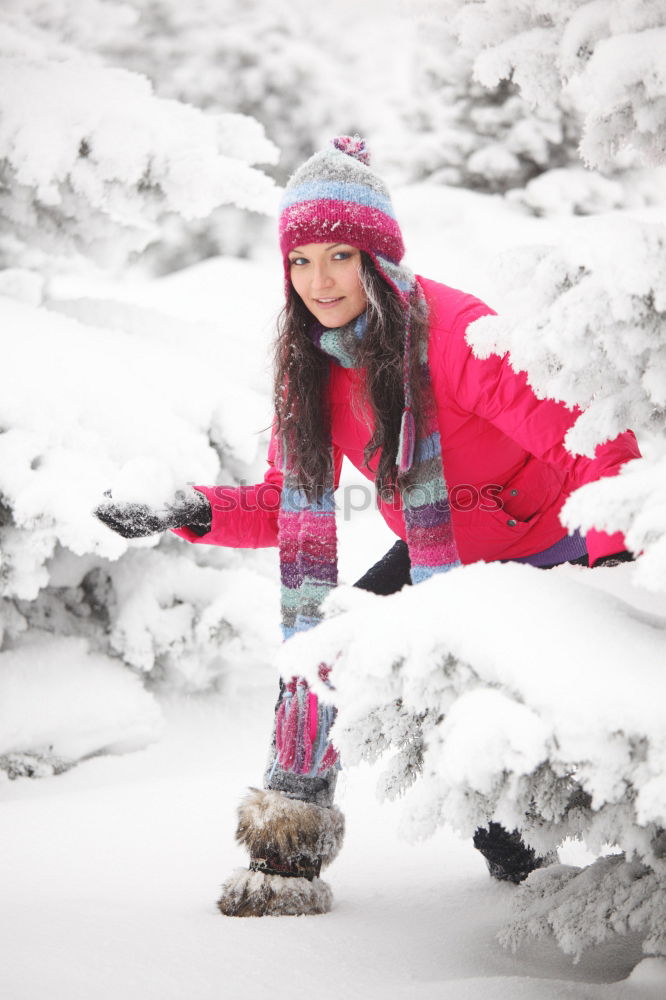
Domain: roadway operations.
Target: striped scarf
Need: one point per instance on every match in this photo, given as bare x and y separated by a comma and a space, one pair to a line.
308, 538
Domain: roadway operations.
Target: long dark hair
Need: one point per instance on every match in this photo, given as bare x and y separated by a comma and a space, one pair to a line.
301, 375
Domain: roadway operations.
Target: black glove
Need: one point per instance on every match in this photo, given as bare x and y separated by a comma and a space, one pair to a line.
137, 520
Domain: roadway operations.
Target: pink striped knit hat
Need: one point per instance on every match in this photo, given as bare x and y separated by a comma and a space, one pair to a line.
336, 196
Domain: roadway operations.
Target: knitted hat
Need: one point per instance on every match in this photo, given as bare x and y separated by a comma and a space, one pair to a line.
335, 196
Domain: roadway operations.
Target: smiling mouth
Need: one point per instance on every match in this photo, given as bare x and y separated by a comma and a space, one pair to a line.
328, 302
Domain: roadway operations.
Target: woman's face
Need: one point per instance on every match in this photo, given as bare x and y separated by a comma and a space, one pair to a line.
327, 278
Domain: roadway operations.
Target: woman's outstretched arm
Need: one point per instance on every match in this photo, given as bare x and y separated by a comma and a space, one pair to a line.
247, 516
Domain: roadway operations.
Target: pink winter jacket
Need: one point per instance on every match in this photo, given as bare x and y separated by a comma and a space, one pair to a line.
505, 465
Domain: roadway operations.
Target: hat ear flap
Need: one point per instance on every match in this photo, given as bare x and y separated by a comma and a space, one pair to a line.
397, 276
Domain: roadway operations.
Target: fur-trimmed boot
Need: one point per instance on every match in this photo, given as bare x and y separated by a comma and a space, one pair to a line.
289, 842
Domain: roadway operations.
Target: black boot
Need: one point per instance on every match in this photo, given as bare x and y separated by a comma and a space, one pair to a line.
507, 857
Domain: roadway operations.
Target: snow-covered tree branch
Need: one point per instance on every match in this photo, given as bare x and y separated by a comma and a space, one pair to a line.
92, 160
92, 165
587, 322
604, 54
502, 723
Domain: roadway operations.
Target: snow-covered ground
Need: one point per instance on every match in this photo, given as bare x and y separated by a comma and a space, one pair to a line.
109, 872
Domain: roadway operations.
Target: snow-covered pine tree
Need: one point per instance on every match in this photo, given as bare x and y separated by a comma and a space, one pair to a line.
92, 163
447, 127
587, 321
606, 55
91, 158
266, 60
464, 118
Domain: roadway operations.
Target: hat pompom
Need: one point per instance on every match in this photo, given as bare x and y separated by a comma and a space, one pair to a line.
352, 145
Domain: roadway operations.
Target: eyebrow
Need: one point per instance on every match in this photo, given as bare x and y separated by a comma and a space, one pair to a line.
296, 250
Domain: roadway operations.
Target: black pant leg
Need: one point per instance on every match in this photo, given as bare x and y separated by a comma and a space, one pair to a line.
390, 573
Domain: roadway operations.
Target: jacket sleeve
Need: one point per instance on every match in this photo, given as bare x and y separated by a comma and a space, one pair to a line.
247, 516
493, 390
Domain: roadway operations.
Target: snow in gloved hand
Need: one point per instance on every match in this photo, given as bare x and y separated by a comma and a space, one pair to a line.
137, 520
143, 502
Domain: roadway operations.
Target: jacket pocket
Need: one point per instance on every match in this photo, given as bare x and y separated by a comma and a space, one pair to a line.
531, 491
489, 534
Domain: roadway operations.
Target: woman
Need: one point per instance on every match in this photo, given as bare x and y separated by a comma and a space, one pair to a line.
373, 363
